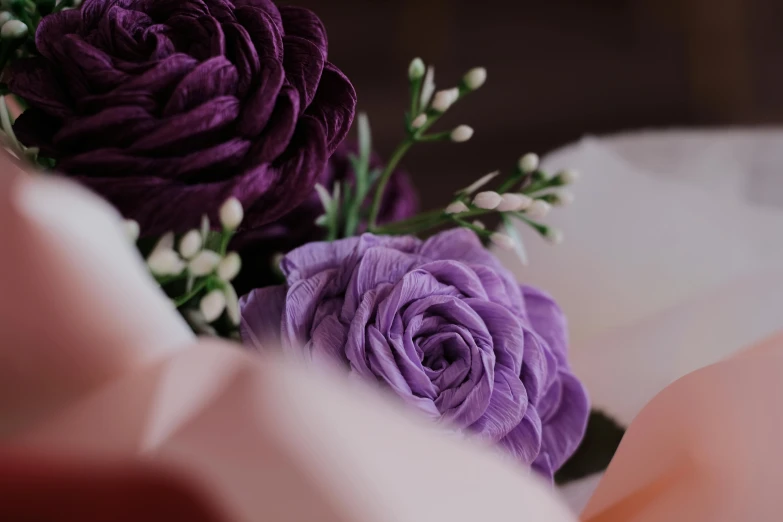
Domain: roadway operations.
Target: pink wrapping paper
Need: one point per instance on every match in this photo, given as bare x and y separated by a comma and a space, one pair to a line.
94, 363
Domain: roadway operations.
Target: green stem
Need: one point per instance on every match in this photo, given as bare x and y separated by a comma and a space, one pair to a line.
387, 172
415, 95
183, 299
224, 240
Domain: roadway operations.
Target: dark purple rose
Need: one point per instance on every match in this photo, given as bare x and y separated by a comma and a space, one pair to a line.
443, 325
298, 227
169, 107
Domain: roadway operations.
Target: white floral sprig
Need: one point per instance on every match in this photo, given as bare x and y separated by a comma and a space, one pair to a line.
198, 270
528, 195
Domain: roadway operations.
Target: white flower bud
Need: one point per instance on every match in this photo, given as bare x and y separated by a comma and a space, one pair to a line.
479, 183
322, 220
487, 200
5, 16
427, 88
538, 209
514, 202
131, 229
461, 134
231, 214
475, 78
502, 240
229, 267
212, 305
165, 262
190, 244
416, 69
569, 176
565, 198
204, 263
528, 163
458, 207
479, 224
445, 99
13, 30
554, 235
232, 305
419, 121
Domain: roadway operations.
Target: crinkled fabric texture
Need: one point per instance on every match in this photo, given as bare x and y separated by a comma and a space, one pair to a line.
440, 323
259, 246
169, 107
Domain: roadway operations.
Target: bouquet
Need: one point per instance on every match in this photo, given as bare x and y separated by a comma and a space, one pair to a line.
217, 129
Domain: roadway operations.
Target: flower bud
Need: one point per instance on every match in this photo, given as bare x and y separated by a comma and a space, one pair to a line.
427, 88
458, 207
475, 78
479, 224
568, 176
190, 244
564, 198
132, 230
554, 235
212, 305
538, 209
204, 263
229, 267
419, 121
502, 240
13, 30
416, 69
528, 163
445, 99
461, 134
165, 262
5, 16
479, 183
231, 214
514, 202
232, 305
487, 200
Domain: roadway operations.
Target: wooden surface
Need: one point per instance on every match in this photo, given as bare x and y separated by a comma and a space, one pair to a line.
558, 69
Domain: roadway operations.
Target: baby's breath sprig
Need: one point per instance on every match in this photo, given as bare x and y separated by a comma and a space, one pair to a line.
426, 108
196, 271
527, 195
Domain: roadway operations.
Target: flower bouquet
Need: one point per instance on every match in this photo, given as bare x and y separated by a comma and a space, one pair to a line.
217, 127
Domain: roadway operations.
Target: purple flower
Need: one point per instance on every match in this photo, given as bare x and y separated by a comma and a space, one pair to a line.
298, 226
169, 107
443, 325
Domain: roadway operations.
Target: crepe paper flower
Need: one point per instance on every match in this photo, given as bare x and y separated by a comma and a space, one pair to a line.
169, 107
299, 226
441, 324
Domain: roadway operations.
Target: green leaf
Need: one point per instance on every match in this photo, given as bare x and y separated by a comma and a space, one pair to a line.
596, 451
519, 246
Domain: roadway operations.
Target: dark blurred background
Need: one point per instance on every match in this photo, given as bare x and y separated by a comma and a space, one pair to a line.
558, 69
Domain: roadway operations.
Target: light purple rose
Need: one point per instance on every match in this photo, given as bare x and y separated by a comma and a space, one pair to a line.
440, 323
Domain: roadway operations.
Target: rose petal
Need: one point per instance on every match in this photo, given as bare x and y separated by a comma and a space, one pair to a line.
280, 128
35, 80
303, 23
334, 105
563, 432
112, 127
55, 27
524, 441
267, 36
267, 7
121, 32
303, 62
261, 314
190, 130
214, 78
260, 103
240, 51
548, 321
35, 128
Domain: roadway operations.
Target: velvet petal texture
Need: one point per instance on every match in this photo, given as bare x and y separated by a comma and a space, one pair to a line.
168, 107
443, 326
